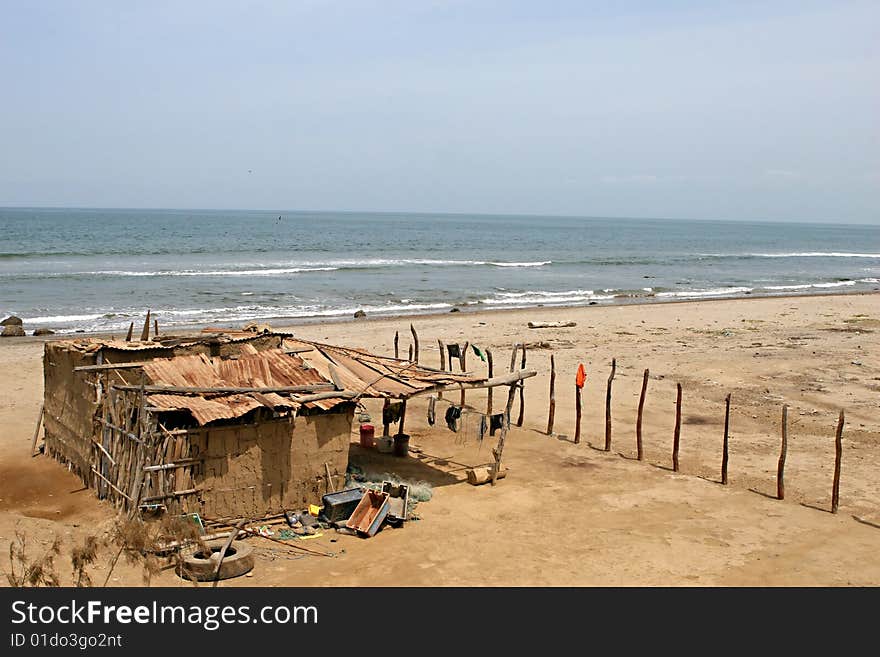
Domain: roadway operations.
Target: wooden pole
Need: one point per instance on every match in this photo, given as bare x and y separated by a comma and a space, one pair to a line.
639, 451
145, 333
780, 469
491, 374
37, 430
504, 424
522, 390
608, 405
130, 331
725, 453
677, 435
396, 345
410, 353
155, 328
838, 453
415, 342
513, 356
577, 410
402, 417
463, 362
386, 429
442, 349
551, 414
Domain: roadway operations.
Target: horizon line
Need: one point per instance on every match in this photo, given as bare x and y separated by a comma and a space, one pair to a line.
440, 214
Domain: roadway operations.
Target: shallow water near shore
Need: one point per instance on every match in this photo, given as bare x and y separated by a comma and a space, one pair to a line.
97, 270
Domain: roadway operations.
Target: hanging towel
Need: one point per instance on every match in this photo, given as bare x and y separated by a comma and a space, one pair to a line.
479, 352
581, 376
496, 422
454, 351
431, 401
453, 413
392, 413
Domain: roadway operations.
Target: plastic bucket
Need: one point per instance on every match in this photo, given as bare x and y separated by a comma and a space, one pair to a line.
385, 444
401, 445
368, 436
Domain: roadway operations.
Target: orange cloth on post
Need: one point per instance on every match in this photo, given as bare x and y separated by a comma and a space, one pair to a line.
581, 376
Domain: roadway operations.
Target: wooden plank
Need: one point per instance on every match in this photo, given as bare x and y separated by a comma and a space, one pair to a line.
145, 333
491, 373
415, 342
496, 469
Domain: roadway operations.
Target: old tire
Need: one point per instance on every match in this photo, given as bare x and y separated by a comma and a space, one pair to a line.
199, 566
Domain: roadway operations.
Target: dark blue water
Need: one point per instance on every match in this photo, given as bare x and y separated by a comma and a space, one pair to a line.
99, 269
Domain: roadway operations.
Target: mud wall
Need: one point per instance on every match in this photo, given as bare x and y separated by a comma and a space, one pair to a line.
257, 469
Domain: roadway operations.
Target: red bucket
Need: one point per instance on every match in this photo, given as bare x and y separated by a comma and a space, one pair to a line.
368, 436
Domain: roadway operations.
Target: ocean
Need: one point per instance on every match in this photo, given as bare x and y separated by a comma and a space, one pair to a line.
97, 270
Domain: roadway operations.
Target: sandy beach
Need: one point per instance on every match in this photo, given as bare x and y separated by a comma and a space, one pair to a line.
574, 514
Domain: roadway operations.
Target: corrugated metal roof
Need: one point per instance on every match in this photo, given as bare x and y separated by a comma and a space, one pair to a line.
353, 370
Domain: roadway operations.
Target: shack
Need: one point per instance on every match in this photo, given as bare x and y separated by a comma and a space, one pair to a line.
231, 424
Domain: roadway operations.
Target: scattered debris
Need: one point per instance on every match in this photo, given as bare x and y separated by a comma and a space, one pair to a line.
539, 325
360, 314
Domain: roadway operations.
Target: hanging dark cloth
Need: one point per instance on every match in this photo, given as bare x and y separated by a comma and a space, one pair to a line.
392, 413
484, 427
454, 350
431, 401
496, 422
453, 414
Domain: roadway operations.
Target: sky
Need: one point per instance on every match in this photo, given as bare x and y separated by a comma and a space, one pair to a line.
686, 109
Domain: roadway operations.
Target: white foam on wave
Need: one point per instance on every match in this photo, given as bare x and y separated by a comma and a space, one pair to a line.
807, 286
214, 272
533, 297
715, 292
522, 264
795, 254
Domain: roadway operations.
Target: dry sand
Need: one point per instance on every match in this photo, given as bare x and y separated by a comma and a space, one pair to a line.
573, 514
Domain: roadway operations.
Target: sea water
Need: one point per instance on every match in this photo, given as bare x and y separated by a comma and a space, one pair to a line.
98, 270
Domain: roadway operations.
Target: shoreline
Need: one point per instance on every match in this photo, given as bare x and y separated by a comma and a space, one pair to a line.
468, 311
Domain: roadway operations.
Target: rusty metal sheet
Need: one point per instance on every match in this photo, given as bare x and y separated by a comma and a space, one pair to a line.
205, 410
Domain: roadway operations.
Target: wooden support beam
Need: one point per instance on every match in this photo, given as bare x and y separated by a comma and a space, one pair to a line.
145, 333
442, 349
503, 380
838, 453
780, 468
577, 418
221, 390
513, 356
463, 362
415, 343
522, 390
725, 453
676, 438
386, 426
639, 451
37, 429
396, 345
551, 413
108, 366
176, 493
491, 374
505, 423
608, 405
130, 331
179, 463
155, 328
109, 483
402, 417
